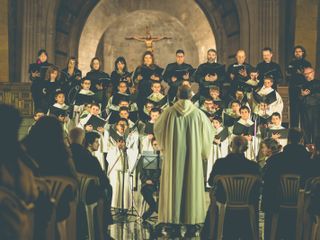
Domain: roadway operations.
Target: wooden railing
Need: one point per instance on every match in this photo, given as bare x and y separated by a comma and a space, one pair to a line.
18, 95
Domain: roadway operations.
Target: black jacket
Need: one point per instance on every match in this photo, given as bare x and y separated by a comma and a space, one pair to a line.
231, 164
294, 159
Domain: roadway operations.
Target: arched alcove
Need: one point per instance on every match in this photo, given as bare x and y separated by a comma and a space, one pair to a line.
163, 17
211, 23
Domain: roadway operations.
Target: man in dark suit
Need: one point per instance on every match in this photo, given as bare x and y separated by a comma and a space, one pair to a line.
294, 159
234, 163
86, 163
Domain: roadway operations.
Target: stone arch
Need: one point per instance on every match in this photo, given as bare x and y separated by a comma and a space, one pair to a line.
224, 18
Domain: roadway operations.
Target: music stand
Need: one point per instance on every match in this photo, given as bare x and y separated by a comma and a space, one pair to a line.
151, 160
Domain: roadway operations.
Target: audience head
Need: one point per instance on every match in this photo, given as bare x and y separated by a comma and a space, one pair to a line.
44, 127
267, 54
38, 113
309, 73
180, 56
92, 141
10, 124
211, 55
85, 84
76, 136
184, 92
239, 145
120, 64
95, 64
295, 136
269, 147
42, 55
10, 146
299, 52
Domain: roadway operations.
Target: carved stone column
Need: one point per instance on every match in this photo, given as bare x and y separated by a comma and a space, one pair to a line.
38, 24
269, 21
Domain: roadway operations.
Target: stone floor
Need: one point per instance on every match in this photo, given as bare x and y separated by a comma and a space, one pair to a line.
132, 227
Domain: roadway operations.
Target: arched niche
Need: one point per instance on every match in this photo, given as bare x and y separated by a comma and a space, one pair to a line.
165, 18
223, 17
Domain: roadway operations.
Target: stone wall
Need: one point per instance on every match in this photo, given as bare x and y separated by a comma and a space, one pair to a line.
306, 27
4, 42
179, 19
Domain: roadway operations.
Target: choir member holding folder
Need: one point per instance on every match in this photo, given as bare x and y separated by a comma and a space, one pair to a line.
246, 127
176, 72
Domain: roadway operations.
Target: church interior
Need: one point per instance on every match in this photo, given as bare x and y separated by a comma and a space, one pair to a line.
92, 148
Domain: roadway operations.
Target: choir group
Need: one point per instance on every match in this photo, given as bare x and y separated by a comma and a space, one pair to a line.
123, 107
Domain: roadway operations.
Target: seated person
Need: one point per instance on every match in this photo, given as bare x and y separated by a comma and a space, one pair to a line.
86, 163
150, 180
234, 163
294, 159
36, 116
16, 176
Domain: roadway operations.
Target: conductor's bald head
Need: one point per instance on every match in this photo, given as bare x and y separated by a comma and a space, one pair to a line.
239, 144
184, 92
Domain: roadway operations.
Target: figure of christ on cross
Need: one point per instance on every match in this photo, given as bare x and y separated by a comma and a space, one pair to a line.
148, 39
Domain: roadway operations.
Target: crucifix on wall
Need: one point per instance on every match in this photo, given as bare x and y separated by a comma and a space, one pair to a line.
148, 39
